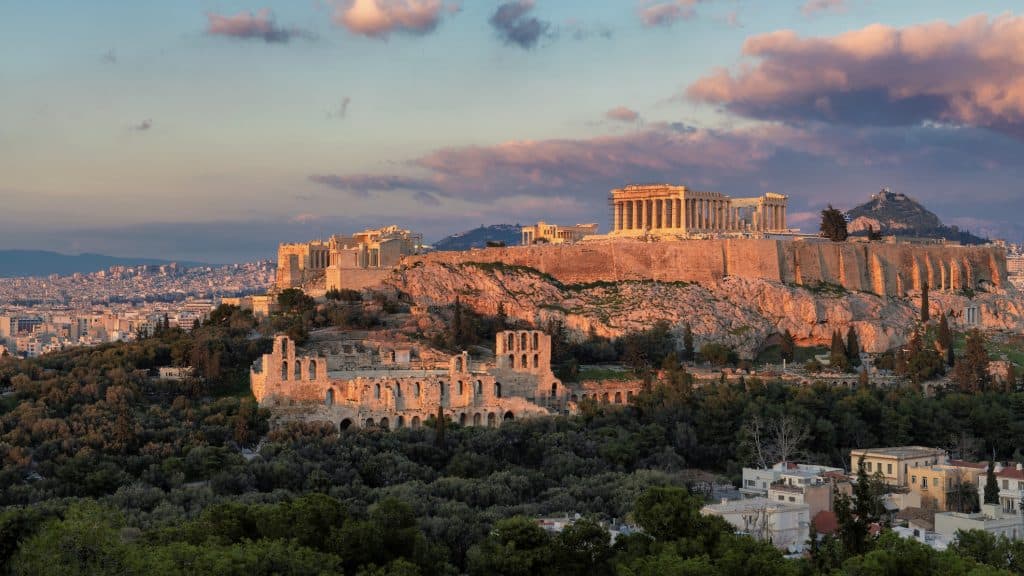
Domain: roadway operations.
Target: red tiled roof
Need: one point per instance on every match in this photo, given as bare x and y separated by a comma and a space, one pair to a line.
1011, 472
825, 522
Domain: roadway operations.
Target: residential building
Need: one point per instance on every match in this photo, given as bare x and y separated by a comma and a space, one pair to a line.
1010, 480
946, 486
992, 519
757, 481
893, 463
783, 524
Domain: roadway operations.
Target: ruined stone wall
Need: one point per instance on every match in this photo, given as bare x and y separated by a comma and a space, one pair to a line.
884, 269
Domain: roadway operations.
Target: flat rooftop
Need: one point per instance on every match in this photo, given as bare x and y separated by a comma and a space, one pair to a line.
900, 451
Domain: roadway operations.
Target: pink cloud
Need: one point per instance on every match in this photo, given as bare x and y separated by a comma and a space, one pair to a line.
970, 73
252, 26
380, 18
665, 13
622, 114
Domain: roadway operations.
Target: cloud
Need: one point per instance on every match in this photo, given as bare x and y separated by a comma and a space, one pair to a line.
579, 31
381, 18
665, 14
362, 185
514, 25
814, 7
253, 26
143, 126
622, 114
967, 74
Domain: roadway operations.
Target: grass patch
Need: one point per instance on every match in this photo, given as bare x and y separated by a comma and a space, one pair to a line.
826, 289
599, 374
773, 354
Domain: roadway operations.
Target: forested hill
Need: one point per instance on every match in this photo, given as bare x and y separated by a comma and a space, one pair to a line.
108, 471
900, 215
43, 263
509, 234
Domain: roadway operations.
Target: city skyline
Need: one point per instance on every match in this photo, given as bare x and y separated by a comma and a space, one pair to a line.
213, 130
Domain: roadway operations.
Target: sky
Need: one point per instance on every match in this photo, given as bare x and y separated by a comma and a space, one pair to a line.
211, 130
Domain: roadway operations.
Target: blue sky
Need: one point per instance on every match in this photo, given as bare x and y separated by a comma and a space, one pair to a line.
212, 130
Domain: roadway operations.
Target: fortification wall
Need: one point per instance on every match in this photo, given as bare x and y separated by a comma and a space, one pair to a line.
884, 269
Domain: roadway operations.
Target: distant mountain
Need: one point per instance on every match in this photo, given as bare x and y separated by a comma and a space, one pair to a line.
479, 237
43, 263
896, 214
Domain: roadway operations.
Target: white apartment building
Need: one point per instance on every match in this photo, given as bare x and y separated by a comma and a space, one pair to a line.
785, 525
1010, 480
757, 481
991, 519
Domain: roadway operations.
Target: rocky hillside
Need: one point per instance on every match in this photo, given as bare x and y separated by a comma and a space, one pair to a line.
509, 234
900, 215
745, 314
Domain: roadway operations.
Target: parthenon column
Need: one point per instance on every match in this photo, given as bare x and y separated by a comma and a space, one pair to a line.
636, 214
665, 222
615, 219
677, 212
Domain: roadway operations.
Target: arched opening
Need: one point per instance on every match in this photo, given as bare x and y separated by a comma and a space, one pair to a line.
460, 388
476, 419
312, 370
401, 422
384, 423
284, 370
604, 398
574, 398
345, 424
511, 361
522, 362
618, 397
509, 416
462, 419
398, 390
479, 388
492, 420
298, 370
522, 341
536, 341
629, 396
441, 387
511, 341
416, 391
329, 398
554, 389
369, 423
497, 389
415, 421
458, 364
536, 361
376, 391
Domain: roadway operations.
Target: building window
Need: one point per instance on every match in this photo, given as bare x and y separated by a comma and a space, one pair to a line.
913, 479
888, 468
781, 498
869, 466
750, 483
1006, 484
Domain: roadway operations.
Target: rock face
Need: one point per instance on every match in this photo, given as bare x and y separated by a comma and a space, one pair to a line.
744, 313
880, 268
900, 215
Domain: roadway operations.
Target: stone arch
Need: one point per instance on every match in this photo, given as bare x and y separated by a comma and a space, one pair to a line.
401, 421
497, 389
629, 396
575, 398
345, 424
536, 360
479, 387
416, 390
476, 419
536, 341
522, 363
376, 391
511, 342
522, 341
554, 389
462, 419
311, 372
298, 370
369, 423
604, 398
415, 421
618, 397
492, 420
284, 370
509, 416
511, 361
384, 424
441, 387
329, 397
460, 388
458, 363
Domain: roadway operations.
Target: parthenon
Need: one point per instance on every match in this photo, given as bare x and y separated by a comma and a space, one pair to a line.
663, 209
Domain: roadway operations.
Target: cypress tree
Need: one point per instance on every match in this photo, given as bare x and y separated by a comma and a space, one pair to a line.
924, 303
501, 318
788, 346
688, 350
440, 425
833, 224
991, 486
837, 356
853, 346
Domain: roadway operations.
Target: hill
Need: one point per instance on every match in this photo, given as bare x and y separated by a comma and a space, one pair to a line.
478, 237
43, 263
894, 213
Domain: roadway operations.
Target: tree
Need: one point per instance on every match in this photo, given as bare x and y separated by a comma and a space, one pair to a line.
874, 235
668, 513
833, 224
837, 356
852, 346
944, 336
788, 346
501, 318
862, 379
857, 512
440, 428
788, 435
688, 350
925, 313
991, 485
971, 370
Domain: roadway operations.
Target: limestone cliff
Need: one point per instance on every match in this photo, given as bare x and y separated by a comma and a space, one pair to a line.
744, 313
